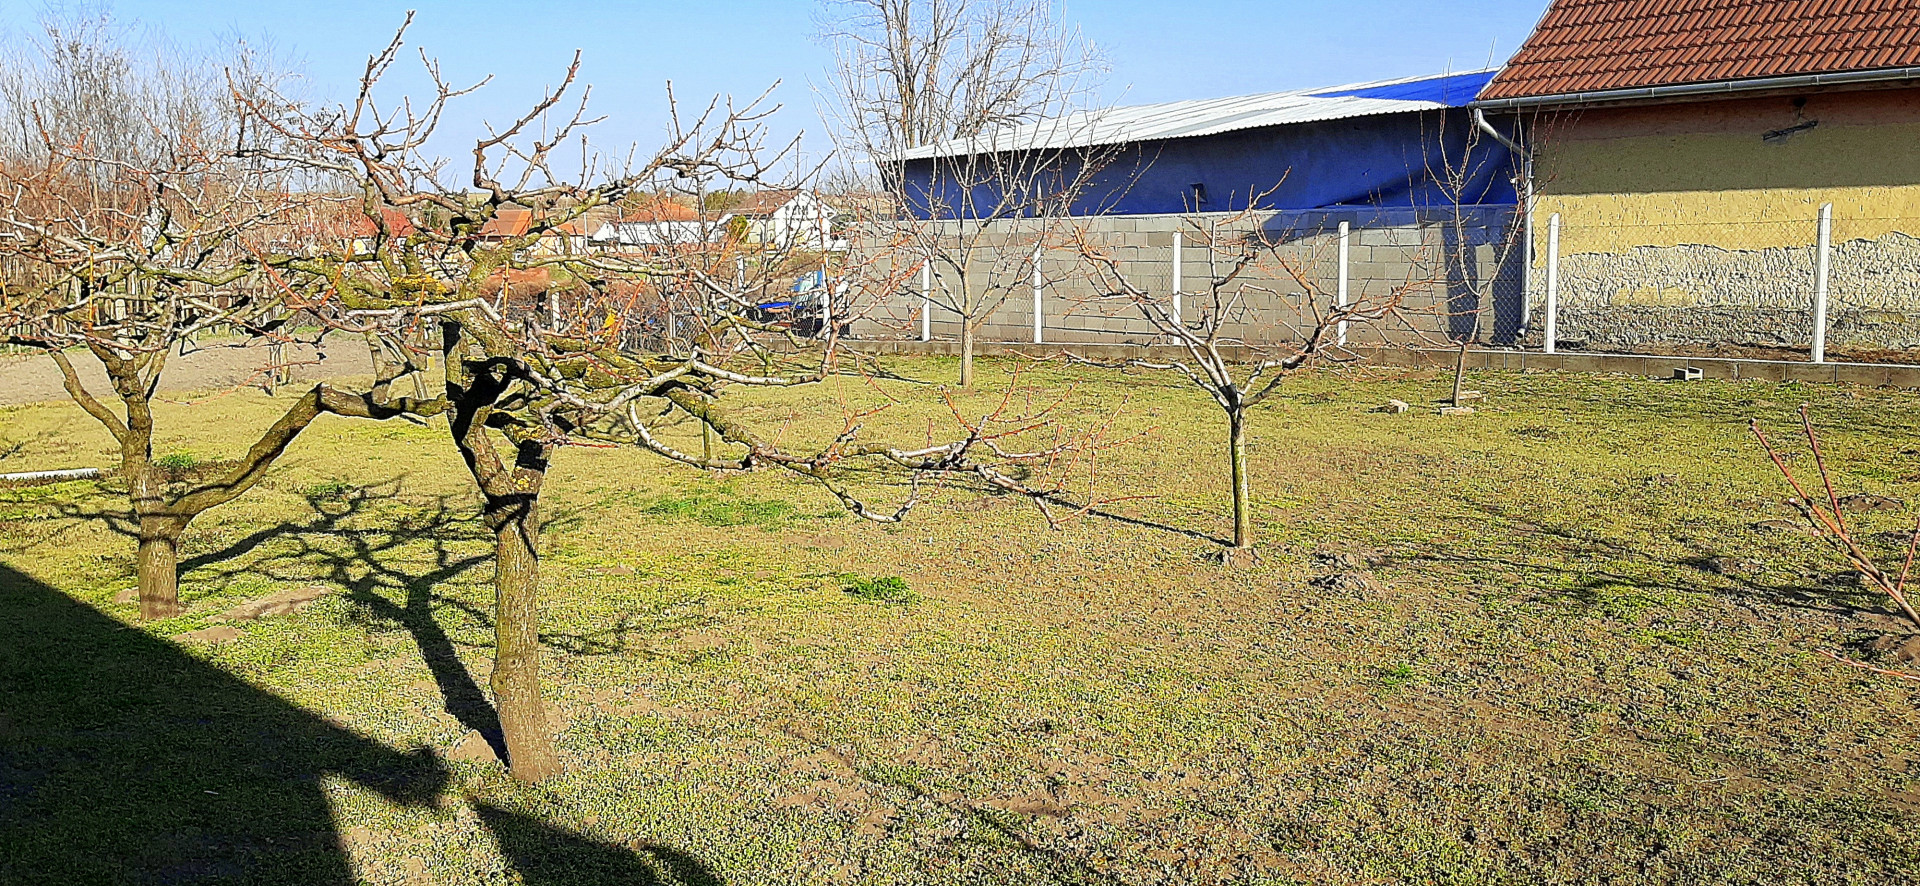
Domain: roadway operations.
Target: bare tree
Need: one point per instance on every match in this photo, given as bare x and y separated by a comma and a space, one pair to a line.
526, 374
965, 114
1483, 248
1825, 512
912, 73
130, 225
1208, 321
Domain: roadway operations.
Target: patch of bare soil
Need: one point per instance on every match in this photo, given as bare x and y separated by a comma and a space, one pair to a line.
1901, 649
276, 603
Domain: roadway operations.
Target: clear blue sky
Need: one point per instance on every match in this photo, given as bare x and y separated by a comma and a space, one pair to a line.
1159, 51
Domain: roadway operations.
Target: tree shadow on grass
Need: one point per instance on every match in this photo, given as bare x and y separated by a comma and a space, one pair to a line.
1570, 551
394, 558
332, 549
1057, 865
124, 759
549, 856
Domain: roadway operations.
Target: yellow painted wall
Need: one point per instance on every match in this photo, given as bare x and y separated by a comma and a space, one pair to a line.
1700, 173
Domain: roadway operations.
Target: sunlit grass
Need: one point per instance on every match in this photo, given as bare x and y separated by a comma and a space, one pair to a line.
1547, 679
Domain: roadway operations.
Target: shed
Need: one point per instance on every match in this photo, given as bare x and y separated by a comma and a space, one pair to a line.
1404, 144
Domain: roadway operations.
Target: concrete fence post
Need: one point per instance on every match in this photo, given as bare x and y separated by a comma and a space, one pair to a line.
1340, 284
826, 309
926, 301
1820, 256
1176, 278
1039, 318
1552, 329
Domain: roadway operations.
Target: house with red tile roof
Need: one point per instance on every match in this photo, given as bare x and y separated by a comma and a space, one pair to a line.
785, 219
571, 237
655, 223
1688, 147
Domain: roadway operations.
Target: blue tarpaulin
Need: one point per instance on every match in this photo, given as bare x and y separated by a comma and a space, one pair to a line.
1371, 155
1452, 91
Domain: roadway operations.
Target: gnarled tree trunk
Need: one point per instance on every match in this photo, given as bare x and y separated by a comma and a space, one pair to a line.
512, 514
515, 522
158, 566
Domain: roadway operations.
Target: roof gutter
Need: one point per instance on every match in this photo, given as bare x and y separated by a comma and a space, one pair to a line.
1721, 87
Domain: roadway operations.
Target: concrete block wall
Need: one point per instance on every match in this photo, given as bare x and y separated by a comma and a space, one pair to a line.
1268, 304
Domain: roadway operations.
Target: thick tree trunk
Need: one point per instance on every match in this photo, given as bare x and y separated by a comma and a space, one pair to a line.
515, 521
1242, 486
158, 566
966, 351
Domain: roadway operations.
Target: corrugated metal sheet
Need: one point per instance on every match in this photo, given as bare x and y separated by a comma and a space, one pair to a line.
1598, 45
1199, 117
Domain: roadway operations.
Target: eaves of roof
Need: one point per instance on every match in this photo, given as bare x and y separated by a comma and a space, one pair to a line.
1705, 90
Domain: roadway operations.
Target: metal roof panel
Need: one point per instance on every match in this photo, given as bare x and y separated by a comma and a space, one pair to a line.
1197, 117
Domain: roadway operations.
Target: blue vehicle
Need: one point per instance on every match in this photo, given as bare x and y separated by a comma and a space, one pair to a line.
803, 313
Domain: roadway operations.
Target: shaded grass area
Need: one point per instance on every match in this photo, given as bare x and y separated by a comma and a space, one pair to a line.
1568, 657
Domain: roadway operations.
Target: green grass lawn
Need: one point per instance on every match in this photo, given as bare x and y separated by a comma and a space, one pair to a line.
1567, 656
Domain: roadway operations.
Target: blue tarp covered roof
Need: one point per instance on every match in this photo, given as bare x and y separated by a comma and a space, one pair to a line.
1399, 143
1451, 91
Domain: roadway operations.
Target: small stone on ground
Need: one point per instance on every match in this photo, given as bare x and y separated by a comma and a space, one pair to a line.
1456, 410
1393, 406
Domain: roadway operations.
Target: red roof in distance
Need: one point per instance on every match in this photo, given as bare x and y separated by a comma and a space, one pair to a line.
398, 224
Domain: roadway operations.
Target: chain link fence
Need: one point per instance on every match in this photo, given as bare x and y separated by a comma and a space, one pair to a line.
1455, 275
1824, 286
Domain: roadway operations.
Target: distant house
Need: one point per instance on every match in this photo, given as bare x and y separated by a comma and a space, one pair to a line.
783, 219
654, 224
361, 230
1687, 147
509, 222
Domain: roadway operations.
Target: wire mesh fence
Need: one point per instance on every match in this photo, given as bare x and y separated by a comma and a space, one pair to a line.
1818, 284
1265, 279
1786, 286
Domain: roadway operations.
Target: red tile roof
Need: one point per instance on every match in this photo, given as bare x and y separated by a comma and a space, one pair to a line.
759, 203
1593, 45
507, 223
359, 225
659, 211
